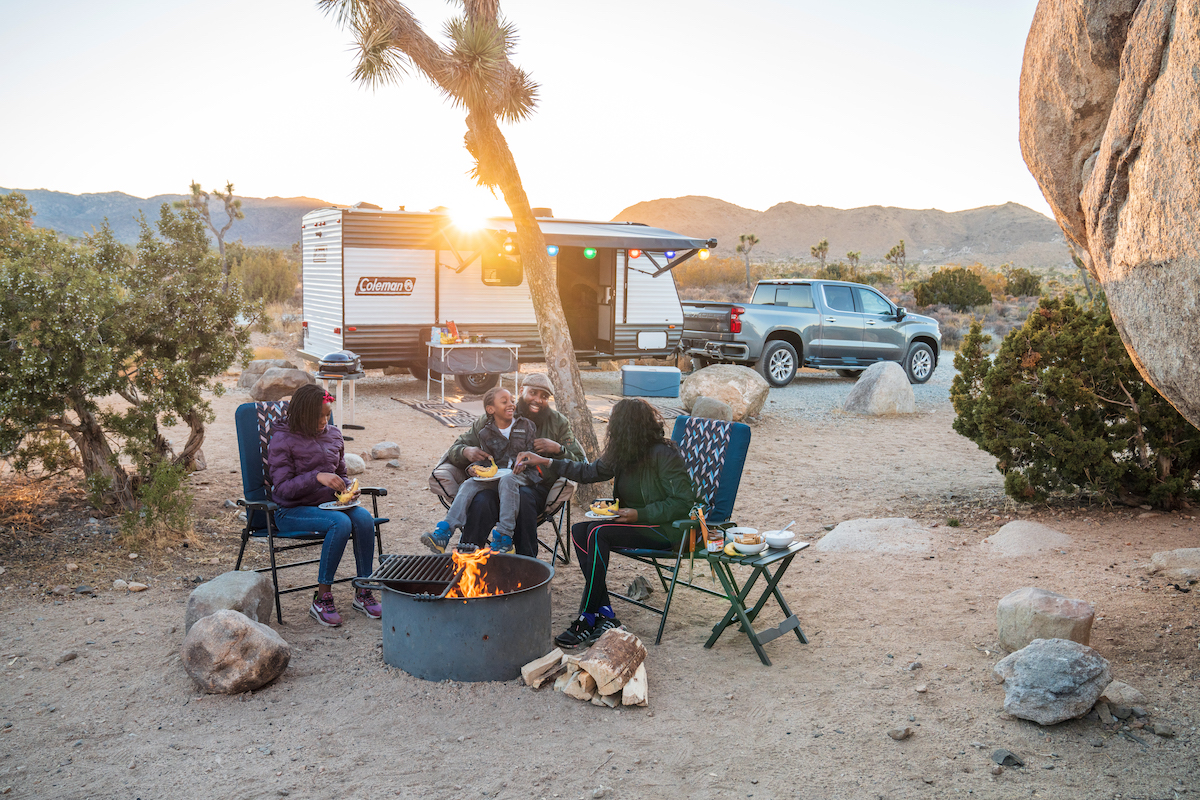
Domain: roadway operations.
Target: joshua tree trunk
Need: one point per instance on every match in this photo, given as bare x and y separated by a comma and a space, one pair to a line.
97, 457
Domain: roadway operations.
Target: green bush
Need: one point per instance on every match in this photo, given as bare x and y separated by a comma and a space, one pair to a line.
1063, 410
958, 287
265, 273
1022, 283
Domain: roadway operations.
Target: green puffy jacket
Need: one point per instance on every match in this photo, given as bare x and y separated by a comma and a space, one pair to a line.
658, 487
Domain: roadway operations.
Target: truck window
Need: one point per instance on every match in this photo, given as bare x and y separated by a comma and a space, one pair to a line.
839, 298
502, 270
798, 296
764, 294
872, 303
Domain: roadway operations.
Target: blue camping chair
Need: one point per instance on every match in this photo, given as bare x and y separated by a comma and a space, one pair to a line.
254, 422
715, 453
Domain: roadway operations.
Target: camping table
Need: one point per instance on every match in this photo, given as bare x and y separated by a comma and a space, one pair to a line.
469, 348
760, 563
340, 419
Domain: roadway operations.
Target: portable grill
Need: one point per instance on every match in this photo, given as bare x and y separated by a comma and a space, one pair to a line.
343, 362
435, 637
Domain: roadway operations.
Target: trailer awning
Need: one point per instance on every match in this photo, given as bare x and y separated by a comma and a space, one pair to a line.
618, 235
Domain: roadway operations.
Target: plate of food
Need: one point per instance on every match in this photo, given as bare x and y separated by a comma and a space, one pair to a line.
497, 475
603, 509
334, 505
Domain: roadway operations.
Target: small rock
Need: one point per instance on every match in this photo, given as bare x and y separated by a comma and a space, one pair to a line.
355, 464
922, 689
1139, 711
914, 666
70, 655
72, 567
1121, 711
997, 769
1006, 758
900, 734
90, 621
1104, 714
1163, 729
394, 463
60, 591
138, 587
230, 504
384, 450
84, 590
132, 556
132, 763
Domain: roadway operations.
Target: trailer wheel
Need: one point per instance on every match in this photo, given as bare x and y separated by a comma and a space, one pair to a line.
421, 374
477, 383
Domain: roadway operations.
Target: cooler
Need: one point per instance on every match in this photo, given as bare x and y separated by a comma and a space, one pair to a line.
649, 381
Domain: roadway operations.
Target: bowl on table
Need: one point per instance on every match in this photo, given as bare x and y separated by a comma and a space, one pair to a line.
733, 533
779, 539
748, 549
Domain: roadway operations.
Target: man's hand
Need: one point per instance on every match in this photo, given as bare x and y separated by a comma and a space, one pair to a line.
332, 480
548, 447
475, 454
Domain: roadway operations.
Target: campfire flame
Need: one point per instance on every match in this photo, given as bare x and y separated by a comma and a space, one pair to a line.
471, 583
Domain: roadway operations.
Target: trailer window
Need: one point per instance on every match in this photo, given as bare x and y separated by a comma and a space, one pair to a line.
502, 270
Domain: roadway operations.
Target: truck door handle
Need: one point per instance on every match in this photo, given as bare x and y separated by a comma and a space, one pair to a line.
831, 319
870, 322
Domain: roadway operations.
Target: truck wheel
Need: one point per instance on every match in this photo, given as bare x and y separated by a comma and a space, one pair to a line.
778, 363
850, 373
478, 383
919, 363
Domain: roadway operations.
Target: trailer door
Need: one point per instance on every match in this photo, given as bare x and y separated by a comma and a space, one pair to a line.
606, 279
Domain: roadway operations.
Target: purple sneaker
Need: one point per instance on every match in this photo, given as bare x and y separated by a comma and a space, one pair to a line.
365, 602
322, 610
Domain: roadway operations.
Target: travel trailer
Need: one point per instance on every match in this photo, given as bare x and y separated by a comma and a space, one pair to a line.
376, 282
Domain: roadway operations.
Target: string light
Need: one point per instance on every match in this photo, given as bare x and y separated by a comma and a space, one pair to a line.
669, 254
589, 252
635, 253
551, 249
704, 255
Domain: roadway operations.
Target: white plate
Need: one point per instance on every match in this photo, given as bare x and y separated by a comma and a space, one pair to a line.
495, 341
500, 473
334, 505
593, 515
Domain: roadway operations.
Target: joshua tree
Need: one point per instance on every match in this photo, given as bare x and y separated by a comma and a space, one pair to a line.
473, 70
853, 256
233, 211
896, 258
820, 250
746, 243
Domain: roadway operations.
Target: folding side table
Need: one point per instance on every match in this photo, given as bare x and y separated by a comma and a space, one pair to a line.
342, 419
760, 564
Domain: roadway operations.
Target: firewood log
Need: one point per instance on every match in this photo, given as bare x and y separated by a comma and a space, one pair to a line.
633, 693
560, 683
581, 686
613, 659
539, 668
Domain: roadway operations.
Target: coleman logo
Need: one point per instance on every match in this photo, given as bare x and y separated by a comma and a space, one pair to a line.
385, 286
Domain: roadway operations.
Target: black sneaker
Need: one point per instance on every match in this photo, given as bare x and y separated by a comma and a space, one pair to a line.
580, 633
604, 624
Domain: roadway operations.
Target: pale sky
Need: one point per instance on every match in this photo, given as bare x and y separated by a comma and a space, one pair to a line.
861, 102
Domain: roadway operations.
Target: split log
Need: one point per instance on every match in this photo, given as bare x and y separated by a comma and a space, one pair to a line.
560, 683
536, 672
634, 693
581, 686
606, 700
613, 660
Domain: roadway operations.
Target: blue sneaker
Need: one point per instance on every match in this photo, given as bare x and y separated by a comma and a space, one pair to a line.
501, 543
439, 540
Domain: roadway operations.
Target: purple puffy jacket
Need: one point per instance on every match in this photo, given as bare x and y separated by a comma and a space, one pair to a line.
293, 462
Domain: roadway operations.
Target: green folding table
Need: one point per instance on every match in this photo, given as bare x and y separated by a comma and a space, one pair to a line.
761, 565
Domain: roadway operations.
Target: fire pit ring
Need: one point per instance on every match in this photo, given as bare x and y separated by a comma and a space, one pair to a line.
437, 638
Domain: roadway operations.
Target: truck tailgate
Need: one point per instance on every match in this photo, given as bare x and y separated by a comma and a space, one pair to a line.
706, 317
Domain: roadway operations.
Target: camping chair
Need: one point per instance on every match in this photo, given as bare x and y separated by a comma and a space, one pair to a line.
254, 422
715, 453
446, 478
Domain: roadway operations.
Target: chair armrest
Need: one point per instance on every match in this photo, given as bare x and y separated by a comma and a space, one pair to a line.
258, 505
376, 491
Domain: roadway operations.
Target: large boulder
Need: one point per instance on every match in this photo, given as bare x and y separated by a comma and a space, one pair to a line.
255, 369
1177, 565
1024, 538
1031, 613
251, 593
741, 388
385, 450
1109, 106
228, 652
1052, 680
712, 408
895, 535
355, 465
278, 382
883, 388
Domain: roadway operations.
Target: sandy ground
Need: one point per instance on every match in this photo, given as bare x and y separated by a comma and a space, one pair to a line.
123, 720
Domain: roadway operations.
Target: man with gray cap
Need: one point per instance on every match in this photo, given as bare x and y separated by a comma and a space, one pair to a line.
554, 440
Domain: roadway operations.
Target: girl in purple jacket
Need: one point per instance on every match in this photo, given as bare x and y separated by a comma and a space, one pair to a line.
307, 465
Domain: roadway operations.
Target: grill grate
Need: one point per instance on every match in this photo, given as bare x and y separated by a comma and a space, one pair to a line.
422, 576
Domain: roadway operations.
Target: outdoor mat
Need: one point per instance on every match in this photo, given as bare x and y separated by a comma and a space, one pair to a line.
461, 414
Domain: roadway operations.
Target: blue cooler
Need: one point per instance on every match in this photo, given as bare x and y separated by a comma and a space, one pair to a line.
650, 381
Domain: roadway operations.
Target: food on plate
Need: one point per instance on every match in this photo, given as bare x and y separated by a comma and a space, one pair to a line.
606, 508
749, 538
487, 472
348, 495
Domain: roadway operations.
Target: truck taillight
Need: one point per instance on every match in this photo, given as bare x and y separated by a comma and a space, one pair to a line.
735, 319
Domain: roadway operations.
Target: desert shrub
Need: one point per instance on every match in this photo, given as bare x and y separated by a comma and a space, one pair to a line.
991, 279
1063, 410
1020, 282
265, 273
956, 287
837, 271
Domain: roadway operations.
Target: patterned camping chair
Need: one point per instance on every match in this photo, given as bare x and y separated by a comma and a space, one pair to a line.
254, 423
715, 453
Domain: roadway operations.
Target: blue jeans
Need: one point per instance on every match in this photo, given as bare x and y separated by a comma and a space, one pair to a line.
336, 526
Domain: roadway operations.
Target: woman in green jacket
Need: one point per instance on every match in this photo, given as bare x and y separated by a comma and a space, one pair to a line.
653, 489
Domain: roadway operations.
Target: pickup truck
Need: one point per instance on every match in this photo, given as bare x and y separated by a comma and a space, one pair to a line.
813, 323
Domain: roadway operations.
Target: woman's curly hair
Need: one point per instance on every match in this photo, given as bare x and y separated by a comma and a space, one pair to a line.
634, 428
304, 410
